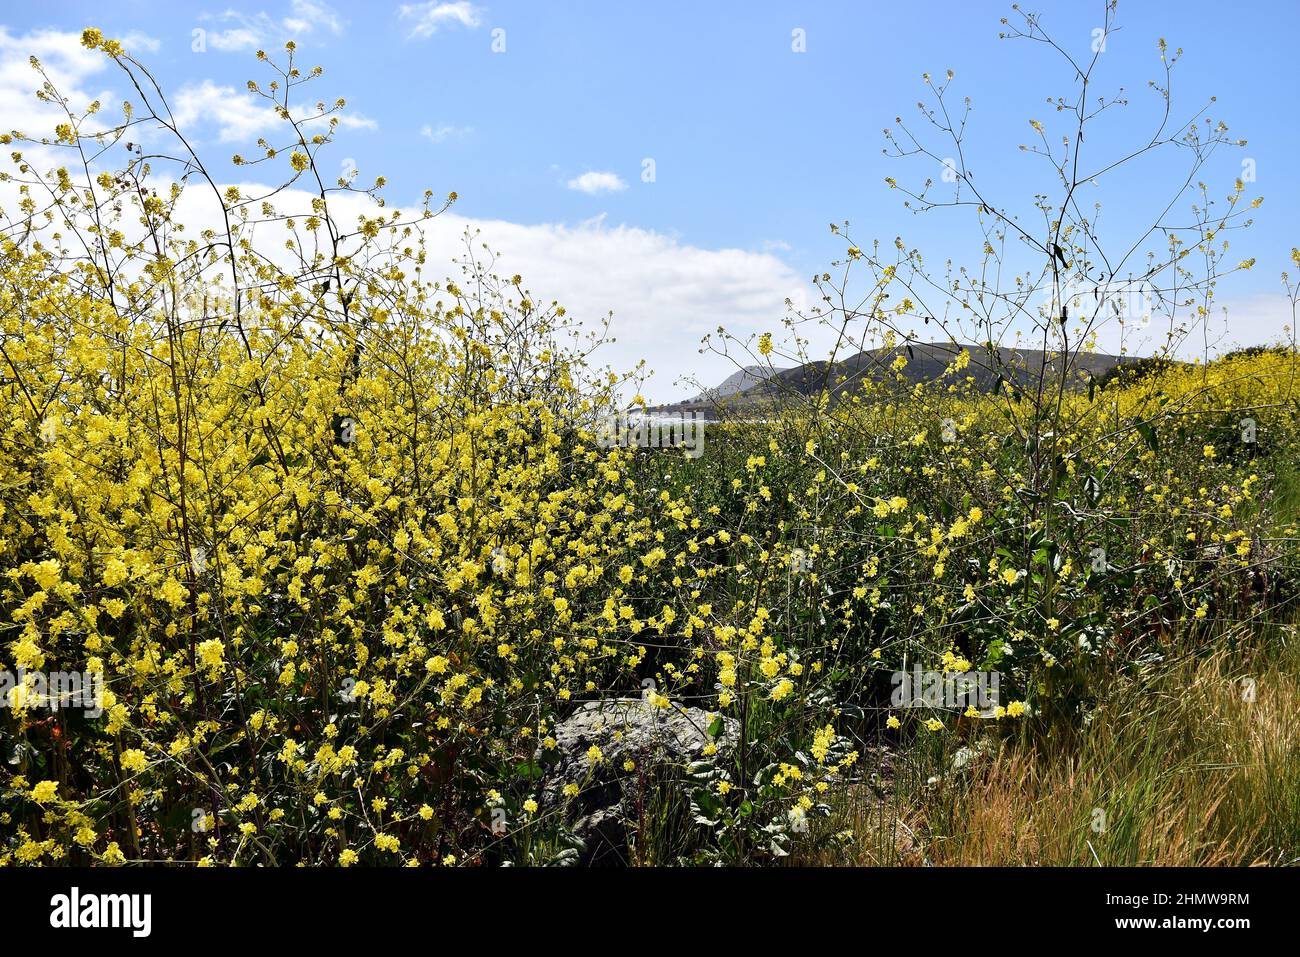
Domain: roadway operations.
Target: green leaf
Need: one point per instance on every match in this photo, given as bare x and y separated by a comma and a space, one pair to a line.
528, 770
1149, 434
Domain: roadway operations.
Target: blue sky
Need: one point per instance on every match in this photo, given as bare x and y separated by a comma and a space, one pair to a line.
756, 148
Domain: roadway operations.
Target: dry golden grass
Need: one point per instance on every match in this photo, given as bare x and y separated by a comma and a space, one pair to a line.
1180, 766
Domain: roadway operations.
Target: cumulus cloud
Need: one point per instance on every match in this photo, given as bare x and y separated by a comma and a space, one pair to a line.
69, 65
428, 18
307, 15
597, 182
444, 131
81, 75
137, 42
249, 31
237, 115
665, 294
234, 39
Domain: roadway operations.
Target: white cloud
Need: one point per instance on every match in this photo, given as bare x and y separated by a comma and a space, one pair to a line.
430, 17
347, 121
137, 42
306, 15
249, 31
70, 66
597, 182
666, 295
237, 115
444, 131
235, 39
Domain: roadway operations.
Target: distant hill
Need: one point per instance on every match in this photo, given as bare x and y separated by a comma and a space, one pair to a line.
739, 381
749, 388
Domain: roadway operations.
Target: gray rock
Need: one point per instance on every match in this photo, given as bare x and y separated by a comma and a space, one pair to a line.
623, 729
968, 755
